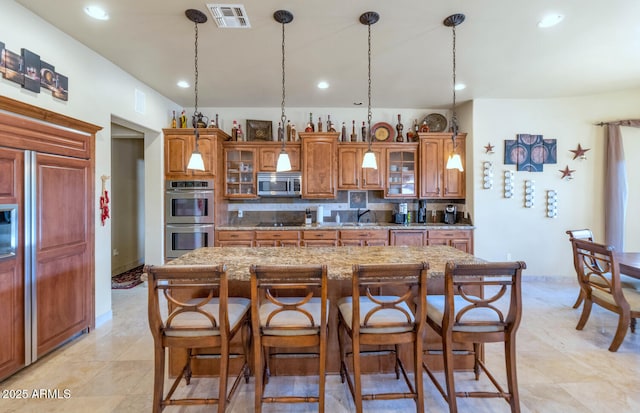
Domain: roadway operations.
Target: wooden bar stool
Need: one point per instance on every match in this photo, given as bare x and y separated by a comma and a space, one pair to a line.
289, 309
384, 320
462, 315
200, 316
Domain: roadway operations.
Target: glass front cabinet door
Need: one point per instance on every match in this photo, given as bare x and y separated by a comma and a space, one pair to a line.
240, 179
402, 171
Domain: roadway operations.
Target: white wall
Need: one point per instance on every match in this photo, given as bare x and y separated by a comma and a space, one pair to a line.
98, 91
504, 226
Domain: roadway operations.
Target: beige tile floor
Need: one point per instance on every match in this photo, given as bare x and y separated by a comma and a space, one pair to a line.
559, 369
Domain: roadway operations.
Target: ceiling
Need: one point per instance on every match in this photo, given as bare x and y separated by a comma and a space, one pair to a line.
501, 53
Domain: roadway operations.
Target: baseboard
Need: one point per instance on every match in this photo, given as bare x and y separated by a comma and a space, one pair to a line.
103, 318
126, 267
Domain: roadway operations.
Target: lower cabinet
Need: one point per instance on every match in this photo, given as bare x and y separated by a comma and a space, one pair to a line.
277, 239
320, 238
460, 239
234, 238
408, 238
364, 238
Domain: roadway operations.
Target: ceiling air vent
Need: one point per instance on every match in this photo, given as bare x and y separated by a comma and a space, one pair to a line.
229, 16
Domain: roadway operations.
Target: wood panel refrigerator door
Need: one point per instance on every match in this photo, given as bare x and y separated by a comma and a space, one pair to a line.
63, 284
12, 305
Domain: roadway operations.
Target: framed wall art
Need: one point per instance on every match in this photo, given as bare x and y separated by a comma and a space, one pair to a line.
259, 130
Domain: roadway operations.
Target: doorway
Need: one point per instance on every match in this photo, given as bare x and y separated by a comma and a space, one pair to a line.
127, 199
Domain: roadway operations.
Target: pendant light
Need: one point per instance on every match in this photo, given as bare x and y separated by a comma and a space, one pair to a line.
195, 161
454, 161
284, 163
369, 159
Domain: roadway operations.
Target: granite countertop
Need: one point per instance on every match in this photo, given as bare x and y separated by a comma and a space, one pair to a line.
347, 226
339, 260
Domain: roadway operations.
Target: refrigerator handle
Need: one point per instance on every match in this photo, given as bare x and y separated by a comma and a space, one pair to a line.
30, 290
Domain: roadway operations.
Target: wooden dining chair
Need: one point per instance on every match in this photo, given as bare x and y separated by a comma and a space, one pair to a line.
599, 277
386, 308
482, 303
200, 318
579, 234
289, 310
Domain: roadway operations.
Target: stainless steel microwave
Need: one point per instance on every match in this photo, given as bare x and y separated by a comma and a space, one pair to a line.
279, 184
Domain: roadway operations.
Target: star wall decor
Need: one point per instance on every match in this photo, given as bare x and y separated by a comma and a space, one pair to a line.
567, 173
488, 148
579, 152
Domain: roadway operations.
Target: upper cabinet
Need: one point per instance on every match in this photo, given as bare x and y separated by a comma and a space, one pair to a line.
402, 171
268, 156
435, 180
351, 175
319, 164
240, 171
180, 143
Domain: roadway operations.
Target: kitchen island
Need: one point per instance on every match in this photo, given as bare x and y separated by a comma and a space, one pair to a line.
339, 261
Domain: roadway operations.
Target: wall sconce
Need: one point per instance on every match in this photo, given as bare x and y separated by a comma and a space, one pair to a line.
487, 175
552, 203
529, 193
508, 184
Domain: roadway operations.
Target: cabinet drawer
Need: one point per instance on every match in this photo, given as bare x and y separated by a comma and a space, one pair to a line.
364, 234
328, 235
448, 234
277, 235
234, 235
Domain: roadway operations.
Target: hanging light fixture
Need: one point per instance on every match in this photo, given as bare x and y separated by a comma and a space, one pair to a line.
454, 161
195, 161
284, 163
369, 159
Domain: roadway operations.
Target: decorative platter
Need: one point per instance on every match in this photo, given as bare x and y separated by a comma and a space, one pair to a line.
382, 131
436, 122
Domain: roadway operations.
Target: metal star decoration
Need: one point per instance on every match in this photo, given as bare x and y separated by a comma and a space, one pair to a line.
579, 152
488, 148
567, 173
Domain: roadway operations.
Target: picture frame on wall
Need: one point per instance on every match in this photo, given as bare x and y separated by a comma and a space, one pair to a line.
259, 130
1, 57
13, 67
357, 199
47, 76
62, 90
31, 70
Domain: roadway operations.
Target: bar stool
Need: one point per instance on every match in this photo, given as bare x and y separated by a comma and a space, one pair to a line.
464, 315
370, 317
200, 316
289, 309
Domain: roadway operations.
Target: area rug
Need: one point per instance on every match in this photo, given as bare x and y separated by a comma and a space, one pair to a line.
127, 279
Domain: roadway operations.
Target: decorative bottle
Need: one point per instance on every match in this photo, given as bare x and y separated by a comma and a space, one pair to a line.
313, 128
279, 136
319, 124
364, 132
354, 137
294, 134
240, 134
234, 131
345, 138
288, 131
399, 128
309, 127
329, 124
183, 119
174, 122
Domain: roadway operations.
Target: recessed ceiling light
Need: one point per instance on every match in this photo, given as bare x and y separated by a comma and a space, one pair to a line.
323, 85
460, 86
550, 20
183, 84
96, 12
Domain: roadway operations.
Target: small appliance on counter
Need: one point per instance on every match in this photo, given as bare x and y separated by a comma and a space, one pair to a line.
450, 212
422, 212
401, 216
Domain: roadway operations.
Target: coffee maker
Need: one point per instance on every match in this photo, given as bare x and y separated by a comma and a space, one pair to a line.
422, 211
450, 212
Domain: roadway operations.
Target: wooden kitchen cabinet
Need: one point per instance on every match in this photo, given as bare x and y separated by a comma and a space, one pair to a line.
320, 238
240, 171
364, 238
435, 180
180, 143
234, 238
402, 171
319, 165
351, 175
268, 156
460, 239
277, 239
408, 237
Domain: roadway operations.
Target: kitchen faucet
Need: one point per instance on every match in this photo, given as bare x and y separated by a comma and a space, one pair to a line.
361, 214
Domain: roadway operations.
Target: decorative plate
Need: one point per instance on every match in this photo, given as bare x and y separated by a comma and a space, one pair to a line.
382, 131
436, 122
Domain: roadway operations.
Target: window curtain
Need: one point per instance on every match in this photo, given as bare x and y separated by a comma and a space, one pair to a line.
616, 184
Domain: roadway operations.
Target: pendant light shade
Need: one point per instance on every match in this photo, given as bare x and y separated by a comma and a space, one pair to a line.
454, 161
284, 163
369, 159
195, 161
